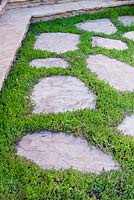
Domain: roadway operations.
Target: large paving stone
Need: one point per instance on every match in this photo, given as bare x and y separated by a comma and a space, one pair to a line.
98, 26
118, 74
108, 43
60, 151
57, 42
61, 93
127, 126
126, 20
129, 35
15, 22
49, 63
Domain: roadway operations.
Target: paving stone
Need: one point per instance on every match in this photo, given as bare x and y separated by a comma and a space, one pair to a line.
50, 42
49, 63
129, 35
118, 74
16, 23
60, 151
2, 6
98, 26
127, 125
61, 93
108, 43
126, 20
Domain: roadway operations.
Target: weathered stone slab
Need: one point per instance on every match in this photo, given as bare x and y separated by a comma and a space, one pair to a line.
127, 126
57, 42
118, 74
108, 43
49, 63
30, 3
60, 151
81, 4
98, 26
129, 35
126, 20
61, 93
2, 6
16, 22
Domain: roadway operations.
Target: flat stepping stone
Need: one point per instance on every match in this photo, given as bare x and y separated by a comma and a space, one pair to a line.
57, 42
98, 26
60, 151
118, 74
127, 126
49, 63
60, 94
126, 20
129, 35
108, 43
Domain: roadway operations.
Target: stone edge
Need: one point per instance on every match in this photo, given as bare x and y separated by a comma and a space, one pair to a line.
2, 6
51, 16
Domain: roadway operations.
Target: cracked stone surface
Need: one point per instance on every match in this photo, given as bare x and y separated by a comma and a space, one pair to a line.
126, 20
129, 35
60, 94
108, 43
127, 125
57, 42
60, 151
98, 26
118, 74
49, 63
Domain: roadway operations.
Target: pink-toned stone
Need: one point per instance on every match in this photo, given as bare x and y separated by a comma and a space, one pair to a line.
129, 35
108, 43
15, 22
60, 94
49, 63
98, 26
57, 42
127, 125
59, 151
126, 20
118, 74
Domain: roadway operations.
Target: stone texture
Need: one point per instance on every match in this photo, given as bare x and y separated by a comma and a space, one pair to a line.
60, 151
49, 63
108, 43
2, 6
9, 43
98, 26
127, 126
15, 22
29, 3
86, 4
50, 42
118, 74
61, 93
126, 20
129, 35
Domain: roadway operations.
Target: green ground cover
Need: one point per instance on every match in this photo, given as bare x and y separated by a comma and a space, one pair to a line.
21, 179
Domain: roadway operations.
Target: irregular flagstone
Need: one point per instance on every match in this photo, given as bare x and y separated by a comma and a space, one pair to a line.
118, 74
16, 23
108, 43
61, 93
98, 26
129, 35
126, 20
49, 63
60, 151
127, 125
57, 42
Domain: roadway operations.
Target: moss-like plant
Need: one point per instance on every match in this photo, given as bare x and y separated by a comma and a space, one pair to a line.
22, 180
